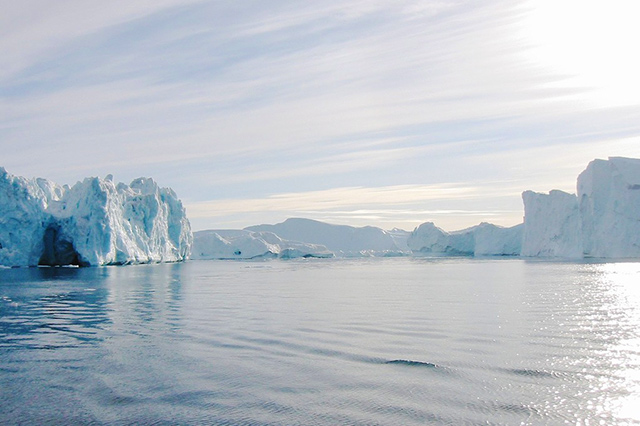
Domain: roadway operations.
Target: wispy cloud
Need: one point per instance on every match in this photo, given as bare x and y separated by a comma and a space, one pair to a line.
408, 205
238, 100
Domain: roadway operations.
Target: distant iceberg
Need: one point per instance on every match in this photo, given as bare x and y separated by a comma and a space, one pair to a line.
602, 220
95, 222
484, 239
244, 244
343, 240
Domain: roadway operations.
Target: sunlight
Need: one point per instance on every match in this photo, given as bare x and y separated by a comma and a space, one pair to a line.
625, 281
591, 45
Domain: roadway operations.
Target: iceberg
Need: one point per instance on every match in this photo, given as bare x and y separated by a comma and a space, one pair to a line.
602, 220
609, 194
95, 222
243, 244
494, 240
552, 226
429, 239
484, 239
343, 240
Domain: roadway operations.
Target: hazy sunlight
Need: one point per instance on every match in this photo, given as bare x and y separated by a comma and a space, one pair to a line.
592, 44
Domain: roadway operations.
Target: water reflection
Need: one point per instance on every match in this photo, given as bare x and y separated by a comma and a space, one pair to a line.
147, 298
370, 342
51, 308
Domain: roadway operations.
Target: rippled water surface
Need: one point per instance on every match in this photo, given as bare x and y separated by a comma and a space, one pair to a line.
322, 342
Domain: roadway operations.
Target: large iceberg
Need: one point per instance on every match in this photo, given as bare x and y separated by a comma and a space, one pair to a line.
243, 244
603, 220
484, 239
343, 240
609, 194
95, 222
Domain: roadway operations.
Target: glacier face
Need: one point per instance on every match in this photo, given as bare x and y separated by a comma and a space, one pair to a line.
244, 244
484, 239
95, 222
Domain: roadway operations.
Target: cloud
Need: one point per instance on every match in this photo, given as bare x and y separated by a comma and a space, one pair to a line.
34, 29
397, 204
234, 100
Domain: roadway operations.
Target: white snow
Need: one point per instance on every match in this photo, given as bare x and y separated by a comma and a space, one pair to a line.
243, 244
482, 240
95, 222
343, 240
551, 225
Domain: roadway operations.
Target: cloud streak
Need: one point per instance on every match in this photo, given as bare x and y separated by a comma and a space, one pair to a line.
406, 204
240, 100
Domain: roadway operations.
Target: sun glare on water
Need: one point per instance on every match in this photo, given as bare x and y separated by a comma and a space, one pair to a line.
624, 279
590, 45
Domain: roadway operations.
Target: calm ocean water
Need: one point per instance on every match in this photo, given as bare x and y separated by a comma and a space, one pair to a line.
322, 342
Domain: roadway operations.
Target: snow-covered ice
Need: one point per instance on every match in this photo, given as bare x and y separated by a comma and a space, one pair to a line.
95, 222
244, 244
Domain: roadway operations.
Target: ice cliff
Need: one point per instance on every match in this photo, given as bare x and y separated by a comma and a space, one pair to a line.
609, 195
552, 225
243, 244
95, 222
343, 240
603, 220
485, 239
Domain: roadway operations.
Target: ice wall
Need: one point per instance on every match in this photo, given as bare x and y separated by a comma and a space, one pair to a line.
95, 222
552, 226
603, 220
494, 240
609, 194
22, 219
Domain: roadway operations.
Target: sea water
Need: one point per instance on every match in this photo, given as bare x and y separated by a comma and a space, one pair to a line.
405, 341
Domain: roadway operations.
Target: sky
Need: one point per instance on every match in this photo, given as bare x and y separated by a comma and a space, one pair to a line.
358, 112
